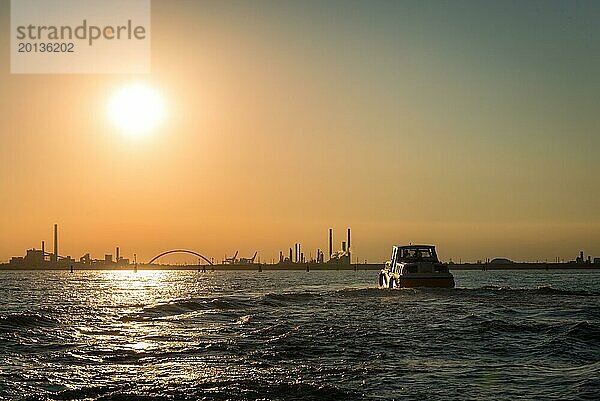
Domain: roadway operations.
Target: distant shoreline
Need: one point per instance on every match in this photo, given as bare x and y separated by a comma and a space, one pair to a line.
316, 267
523, 266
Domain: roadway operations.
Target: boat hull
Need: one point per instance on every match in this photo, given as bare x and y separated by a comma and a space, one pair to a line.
388, 280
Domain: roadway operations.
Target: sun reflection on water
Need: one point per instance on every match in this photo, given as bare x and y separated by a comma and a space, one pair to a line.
129, 288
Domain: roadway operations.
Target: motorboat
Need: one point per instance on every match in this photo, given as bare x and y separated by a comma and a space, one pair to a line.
415, 266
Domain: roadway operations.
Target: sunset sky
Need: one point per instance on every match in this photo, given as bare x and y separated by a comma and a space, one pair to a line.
473, 126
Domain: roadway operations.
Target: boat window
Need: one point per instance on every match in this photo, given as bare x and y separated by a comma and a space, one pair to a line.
416, 254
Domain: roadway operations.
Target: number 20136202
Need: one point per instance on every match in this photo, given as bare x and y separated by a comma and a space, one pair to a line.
46, 47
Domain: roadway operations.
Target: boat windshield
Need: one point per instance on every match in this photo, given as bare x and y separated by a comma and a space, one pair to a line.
416, 254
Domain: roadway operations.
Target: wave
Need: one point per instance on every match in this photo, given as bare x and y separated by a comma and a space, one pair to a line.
541, 290
187, 305
294, 391
503, 326
558, 332
89, 392
547, 290
183, 306
578, 342
244, 319
26, 320
248, 389
375, 291
584, 331
289, 296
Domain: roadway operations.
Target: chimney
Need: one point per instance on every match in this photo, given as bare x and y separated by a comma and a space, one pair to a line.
330, 242
43, 249
118, 258
343, 246
349, 258
291, 260
55, 256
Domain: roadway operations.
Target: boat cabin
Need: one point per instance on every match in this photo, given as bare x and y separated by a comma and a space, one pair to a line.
416, 259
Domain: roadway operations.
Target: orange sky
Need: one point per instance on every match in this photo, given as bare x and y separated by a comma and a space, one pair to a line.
284, 121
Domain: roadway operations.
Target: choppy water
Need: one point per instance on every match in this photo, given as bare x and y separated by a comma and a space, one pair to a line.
295, 335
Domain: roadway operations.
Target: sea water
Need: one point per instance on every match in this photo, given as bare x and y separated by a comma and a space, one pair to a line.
186, 335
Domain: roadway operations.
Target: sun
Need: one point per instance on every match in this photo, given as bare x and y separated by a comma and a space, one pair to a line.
136, 109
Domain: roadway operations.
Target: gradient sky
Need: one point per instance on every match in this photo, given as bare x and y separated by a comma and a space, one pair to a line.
472, 125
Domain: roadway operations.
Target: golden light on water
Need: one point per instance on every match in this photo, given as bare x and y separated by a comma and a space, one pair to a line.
137, 109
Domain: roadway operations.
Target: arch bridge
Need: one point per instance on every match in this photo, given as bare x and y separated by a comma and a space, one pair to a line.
180, 251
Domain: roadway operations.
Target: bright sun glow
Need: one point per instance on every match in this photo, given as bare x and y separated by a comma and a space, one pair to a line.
136, 109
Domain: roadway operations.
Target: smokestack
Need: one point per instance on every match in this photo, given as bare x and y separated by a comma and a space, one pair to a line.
348, 241
43, 249
291, 260
343, 246
118, 258
330, 242
349, 256
55, 257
